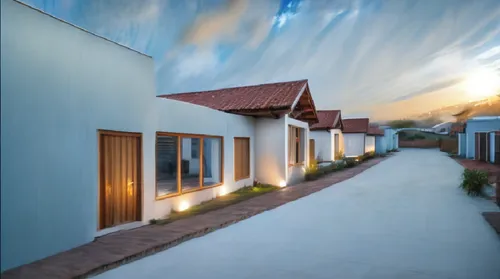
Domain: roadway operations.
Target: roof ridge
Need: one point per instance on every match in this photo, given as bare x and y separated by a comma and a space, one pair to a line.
357, 118
328, 110
234, 87
80, 28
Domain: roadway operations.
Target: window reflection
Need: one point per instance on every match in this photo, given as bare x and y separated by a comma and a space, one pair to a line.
166, 165
212, 161
190, 165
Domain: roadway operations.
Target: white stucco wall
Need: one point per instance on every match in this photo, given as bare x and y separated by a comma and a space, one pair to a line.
333, 132
325, 143
462, 144
391, 138
354, 144
270, 150
322, 144
370, 144
474, 126
380, 145
59, 86
215, 123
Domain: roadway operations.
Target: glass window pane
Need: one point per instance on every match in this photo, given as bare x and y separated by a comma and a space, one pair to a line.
190, 166
195, 149
212, 161
166, 165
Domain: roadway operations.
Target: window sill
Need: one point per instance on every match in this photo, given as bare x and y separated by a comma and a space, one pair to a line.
296, 165
187, 192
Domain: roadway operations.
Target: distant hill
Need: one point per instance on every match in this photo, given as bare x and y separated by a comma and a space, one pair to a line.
461, 112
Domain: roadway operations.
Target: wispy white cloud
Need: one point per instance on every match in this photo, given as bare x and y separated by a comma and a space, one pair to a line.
243, 22
494, 51
358, 55
216, 26
367, 58
193, 64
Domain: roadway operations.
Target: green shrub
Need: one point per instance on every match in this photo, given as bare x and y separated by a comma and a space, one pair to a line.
419, 136
367, 155
339, 155
339, 166
351, 162
473, 181
312, 170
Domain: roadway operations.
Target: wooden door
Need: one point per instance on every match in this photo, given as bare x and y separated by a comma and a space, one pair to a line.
482, 146
312, 149
477, 143
241, 158
120, 185
497, 148
337, 146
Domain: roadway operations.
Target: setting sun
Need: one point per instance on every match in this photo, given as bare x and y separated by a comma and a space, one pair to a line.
482, 83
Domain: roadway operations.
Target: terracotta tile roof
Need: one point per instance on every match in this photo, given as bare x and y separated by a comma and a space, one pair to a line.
271, 96
328, 119
356, 125
374, 130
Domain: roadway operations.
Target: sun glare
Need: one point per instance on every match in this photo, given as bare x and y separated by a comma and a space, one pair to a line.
482, 83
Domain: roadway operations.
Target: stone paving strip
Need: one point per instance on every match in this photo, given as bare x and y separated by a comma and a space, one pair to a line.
113, 250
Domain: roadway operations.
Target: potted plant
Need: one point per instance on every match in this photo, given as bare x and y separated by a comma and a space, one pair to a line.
473, 181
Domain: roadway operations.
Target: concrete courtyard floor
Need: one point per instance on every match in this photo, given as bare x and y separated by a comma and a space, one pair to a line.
403, 218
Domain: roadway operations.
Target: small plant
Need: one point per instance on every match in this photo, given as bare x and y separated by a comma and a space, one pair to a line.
153, 221
367, 155
339, 166
313, 166
339, 155
311, 171
473, 181
351, 162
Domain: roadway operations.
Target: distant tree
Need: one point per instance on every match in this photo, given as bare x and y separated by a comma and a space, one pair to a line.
431, 121
398, 124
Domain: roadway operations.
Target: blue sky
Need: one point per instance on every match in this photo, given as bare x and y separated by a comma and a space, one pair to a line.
379, 58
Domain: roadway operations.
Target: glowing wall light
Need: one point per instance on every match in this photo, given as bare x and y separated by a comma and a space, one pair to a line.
183, 205
223, 191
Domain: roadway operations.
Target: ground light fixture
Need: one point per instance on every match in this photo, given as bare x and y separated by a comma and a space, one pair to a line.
223, 191
183, 205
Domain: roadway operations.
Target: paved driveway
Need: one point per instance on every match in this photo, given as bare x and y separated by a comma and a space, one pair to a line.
404, 218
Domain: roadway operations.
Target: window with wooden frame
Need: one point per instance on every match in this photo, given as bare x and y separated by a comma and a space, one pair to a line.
241, 158
296, 145
187, 162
